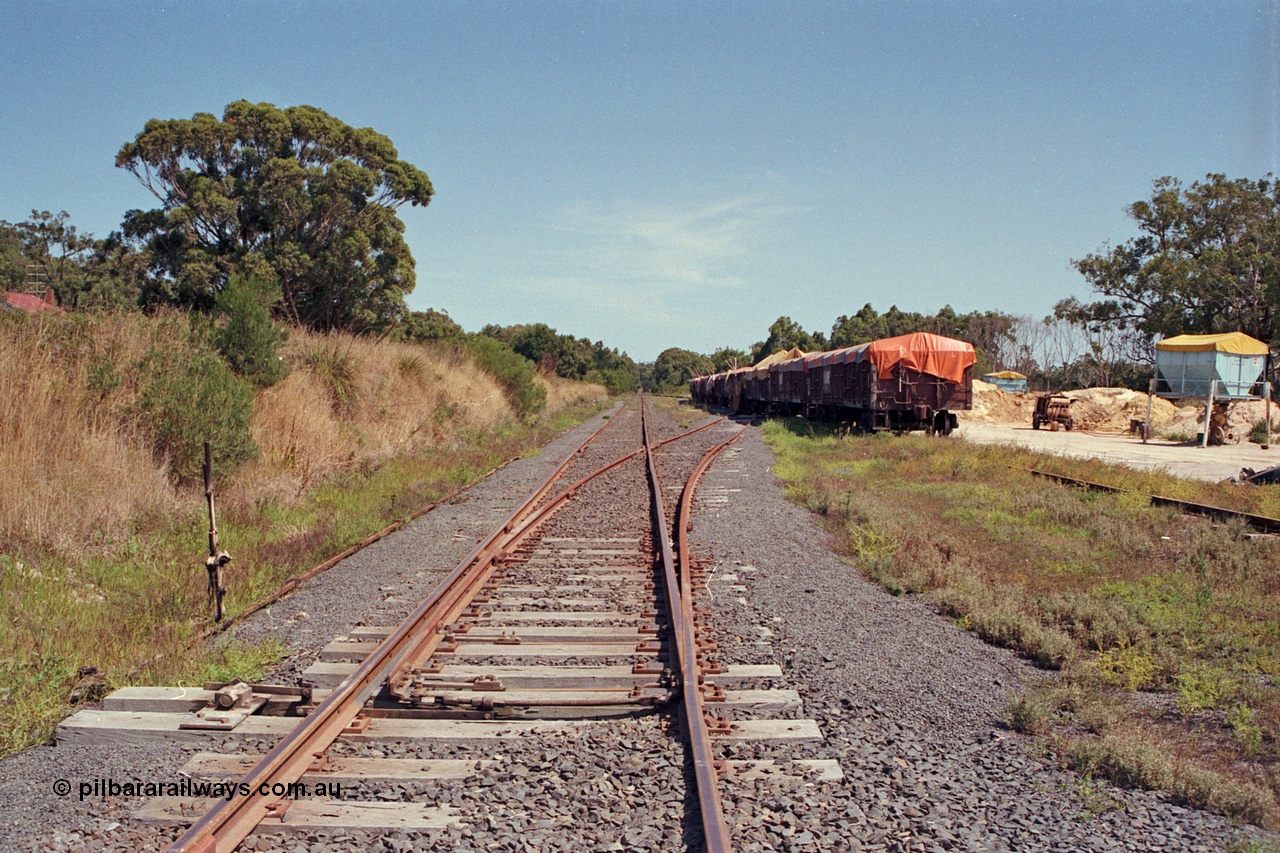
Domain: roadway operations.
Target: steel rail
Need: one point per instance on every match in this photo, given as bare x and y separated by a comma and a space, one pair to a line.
714, 829
222, 828
679, 588
229, 822
1265, 523
458, 599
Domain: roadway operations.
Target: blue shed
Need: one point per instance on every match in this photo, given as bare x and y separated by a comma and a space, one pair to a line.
1185, 365
1008, 380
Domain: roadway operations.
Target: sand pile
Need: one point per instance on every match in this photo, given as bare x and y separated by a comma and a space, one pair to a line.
1106, 409
1111, 409
1241, 416
993, 406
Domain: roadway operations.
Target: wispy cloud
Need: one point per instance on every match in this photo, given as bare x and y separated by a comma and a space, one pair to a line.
635, 273
664, 248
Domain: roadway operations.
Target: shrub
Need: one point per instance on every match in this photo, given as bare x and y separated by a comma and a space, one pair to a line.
1029, 713
1203, 686
1243, 724
1258, 433
617, 381
514, 372
249, 340
1129, 667
190, 396
338, 371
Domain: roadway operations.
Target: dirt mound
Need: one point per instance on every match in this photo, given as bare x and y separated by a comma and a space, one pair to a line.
1111, 409
1106, 409
993, 406
1241, 416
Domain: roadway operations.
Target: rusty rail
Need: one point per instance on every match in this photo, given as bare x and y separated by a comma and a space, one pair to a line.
1264, 523
222, 828
230, 821
679, 589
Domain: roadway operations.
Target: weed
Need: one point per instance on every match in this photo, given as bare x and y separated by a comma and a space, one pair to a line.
1241, 720
1125, 761
1258, 433
1247, 844
1029, 713
410, 367
338, 371
1205, 789
1094, 797
869, 543
234, 659
1203, 686
1129, 667
1118, 594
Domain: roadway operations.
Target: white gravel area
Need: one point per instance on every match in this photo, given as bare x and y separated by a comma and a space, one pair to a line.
1183, 460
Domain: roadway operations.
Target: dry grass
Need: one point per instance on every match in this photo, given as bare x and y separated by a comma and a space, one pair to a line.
352, 403
101, 578
71, 464
564, 392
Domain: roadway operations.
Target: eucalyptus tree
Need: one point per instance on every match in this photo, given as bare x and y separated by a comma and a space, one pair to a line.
1206, 259
292, 195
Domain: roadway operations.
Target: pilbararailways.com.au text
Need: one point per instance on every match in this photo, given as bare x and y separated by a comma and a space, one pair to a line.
186, 787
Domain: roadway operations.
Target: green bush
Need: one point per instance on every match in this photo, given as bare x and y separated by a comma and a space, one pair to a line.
249, 340
190, 396
514, 372
1258, 433
617, 381
338, 371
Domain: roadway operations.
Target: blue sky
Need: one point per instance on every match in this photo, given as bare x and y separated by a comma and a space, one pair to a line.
656, 174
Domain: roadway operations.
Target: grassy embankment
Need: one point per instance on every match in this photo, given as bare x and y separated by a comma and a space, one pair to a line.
1165, 628
102, 540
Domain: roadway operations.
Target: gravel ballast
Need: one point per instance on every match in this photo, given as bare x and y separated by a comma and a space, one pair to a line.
908, 704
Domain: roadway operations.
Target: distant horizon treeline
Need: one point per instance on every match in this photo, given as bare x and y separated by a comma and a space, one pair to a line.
1054, 353
298, 211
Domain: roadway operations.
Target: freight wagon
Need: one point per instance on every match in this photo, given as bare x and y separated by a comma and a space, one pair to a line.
916, 381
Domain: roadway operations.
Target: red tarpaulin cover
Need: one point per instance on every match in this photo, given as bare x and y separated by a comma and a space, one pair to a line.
935, 355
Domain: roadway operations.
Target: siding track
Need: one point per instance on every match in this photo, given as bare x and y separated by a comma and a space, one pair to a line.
574, 621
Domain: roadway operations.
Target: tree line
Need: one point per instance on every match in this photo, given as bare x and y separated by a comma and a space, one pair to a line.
1206, 260
292, 214
270, 216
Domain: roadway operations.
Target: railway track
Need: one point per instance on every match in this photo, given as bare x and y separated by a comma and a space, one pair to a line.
1261, 523
575, 628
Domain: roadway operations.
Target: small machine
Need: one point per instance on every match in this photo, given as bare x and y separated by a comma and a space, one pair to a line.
1054, 410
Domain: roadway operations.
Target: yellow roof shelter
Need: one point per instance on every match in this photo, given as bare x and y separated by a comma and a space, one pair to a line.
1005, 374
1233, 342
1222, 366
